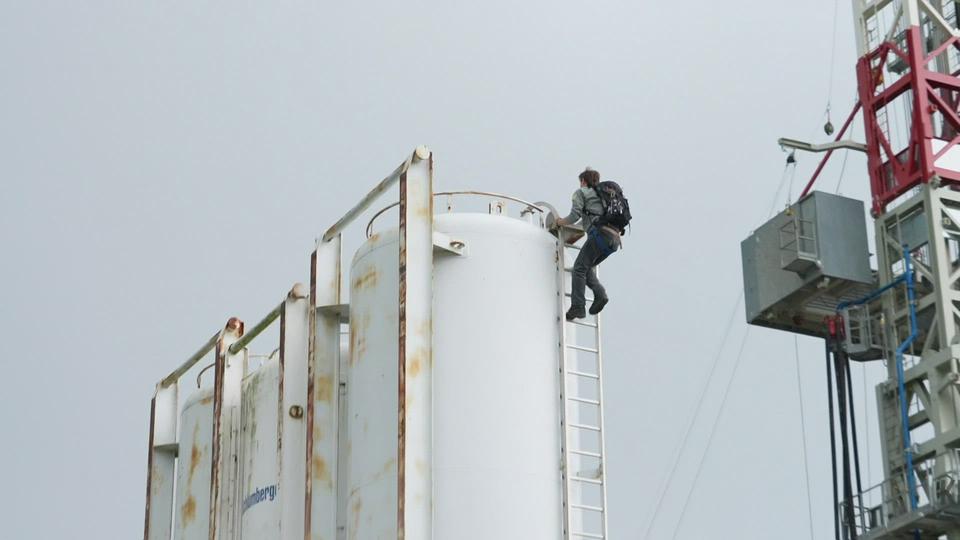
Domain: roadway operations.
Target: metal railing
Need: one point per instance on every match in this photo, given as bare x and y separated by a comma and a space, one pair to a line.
875, 508
798, 244
495, 207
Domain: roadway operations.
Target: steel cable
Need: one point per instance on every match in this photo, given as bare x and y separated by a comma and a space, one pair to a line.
833, 444
709, 379
803, 432
693, 419
713, 431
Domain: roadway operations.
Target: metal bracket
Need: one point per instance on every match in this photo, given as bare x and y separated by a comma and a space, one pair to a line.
341, 311
446, 244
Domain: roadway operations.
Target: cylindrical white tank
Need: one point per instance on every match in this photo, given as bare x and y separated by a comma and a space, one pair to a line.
259, 507
257, 504
496, 428
193, 475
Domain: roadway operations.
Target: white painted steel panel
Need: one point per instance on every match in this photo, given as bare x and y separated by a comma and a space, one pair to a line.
496, 433
192, 506
259, 455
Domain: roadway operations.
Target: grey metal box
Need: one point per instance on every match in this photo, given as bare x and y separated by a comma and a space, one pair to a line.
799, 265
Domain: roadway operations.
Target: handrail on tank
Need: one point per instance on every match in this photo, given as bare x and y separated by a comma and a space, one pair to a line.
238, 346
256, 330
530, 205
185, 367
422, 152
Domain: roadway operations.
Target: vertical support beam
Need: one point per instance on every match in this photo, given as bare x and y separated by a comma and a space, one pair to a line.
415, 363
939, 265
228, 383
860, 33
911, 13
922, 123
161, 463
320, 518
291, 426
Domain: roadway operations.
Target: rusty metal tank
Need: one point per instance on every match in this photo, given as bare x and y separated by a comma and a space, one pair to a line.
496, 434
193, 479
257, 510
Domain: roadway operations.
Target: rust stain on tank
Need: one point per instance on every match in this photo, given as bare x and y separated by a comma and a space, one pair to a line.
414, 369
320, 470
355, 510
358, 339
194, 461
366, 280
325, 388
195, 453
189, 511
207, 400
417, 361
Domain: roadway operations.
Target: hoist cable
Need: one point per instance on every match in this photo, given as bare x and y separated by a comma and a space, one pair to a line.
803, 434
833, 444
793, 173
833, 56
713, 431
853, 431
840, 360
783, 180
843, 168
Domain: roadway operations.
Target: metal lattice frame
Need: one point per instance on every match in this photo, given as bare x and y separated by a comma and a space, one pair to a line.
906, 50
929, 224
907, 53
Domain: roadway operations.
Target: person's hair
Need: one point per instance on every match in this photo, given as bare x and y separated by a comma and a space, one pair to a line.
590, 176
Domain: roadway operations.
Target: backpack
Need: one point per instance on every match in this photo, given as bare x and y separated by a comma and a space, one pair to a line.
616, 209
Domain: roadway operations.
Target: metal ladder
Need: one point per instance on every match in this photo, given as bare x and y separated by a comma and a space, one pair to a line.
583, 455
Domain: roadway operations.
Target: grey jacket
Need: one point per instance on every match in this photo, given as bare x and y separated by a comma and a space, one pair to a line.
586, 206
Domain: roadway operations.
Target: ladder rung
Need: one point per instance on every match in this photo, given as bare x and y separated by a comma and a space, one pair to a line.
584, 400
587, 298
582, 348
586, 427
587, 535
583, 374
586, 480
587, 507
572, 246
579, 322
568, 269
585, 453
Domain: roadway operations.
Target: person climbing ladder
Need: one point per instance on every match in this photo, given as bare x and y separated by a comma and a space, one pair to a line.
603, 212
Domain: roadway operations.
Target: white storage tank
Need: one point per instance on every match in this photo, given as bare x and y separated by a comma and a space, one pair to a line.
193, 476
307, 444
496, 398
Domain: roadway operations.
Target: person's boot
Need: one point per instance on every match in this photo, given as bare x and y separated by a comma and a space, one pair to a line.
597, 305
576, 313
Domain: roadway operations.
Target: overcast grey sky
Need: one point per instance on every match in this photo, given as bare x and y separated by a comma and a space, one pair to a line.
165, 165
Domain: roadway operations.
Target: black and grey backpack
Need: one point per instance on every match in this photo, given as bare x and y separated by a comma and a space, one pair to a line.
616, 209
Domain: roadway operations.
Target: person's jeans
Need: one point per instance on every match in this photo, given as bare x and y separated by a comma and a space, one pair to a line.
599, 246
